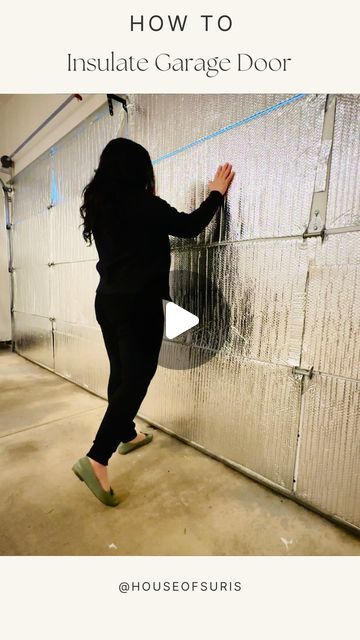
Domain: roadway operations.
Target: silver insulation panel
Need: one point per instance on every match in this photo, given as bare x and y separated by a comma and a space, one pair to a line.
60, 297
275, 156
263, 282
329, 446
344, 190
293, 302
80, 355
34, 340
241, 410
331, 341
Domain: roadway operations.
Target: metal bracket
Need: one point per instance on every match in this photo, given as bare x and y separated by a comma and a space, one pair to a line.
7, 189
8, 171
316, 224
303, 372
113, 96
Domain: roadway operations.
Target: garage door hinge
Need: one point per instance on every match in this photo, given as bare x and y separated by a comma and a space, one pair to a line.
315, 228
303, 372
313, 234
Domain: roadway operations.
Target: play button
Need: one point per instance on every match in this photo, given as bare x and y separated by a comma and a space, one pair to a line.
178, 320
197, 320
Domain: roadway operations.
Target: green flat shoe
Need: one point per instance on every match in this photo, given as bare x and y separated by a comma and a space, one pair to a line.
126, 447
84, 471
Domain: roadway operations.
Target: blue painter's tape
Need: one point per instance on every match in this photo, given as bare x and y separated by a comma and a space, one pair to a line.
229, 127
101, 114
54, 189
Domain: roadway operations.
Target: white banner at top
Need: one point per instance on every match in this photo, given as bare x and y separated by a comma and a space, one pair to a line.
178, 47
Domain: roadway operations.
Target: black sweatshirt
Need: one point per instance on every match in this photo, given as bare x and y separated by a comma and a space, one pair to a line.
133, 242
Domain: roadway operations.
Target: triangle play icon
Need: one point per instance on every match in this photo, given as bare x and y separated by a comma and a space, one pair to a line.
178, 320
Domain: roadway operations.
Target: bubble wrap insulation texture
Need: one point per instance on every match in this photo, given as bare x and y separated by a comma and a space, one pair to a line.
54, 317
292, 301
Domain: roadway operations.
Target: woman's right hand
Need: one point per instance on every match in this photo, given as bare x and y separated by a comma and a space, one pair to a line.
223, 178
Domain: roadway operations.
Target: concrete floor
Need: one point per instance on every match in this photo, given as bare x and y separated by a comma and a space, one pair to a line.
175, 500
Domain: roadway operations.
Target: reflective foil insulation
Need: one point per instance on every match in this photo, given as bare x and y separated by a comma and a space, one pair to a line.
272, 380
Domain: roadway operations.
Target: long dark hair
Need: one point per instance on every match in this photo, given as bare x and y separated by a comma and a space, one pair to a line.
125, 169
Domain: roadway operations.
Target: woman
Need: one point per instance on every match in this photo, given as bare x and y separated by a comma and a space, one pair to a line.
131, 226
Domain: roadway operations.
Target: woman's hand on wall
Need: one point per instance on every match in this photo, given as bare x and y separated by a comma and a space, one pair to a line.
222, 179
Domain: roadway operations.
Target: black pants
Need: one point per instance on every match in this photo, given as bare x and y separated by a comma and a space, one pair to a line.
132, 328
